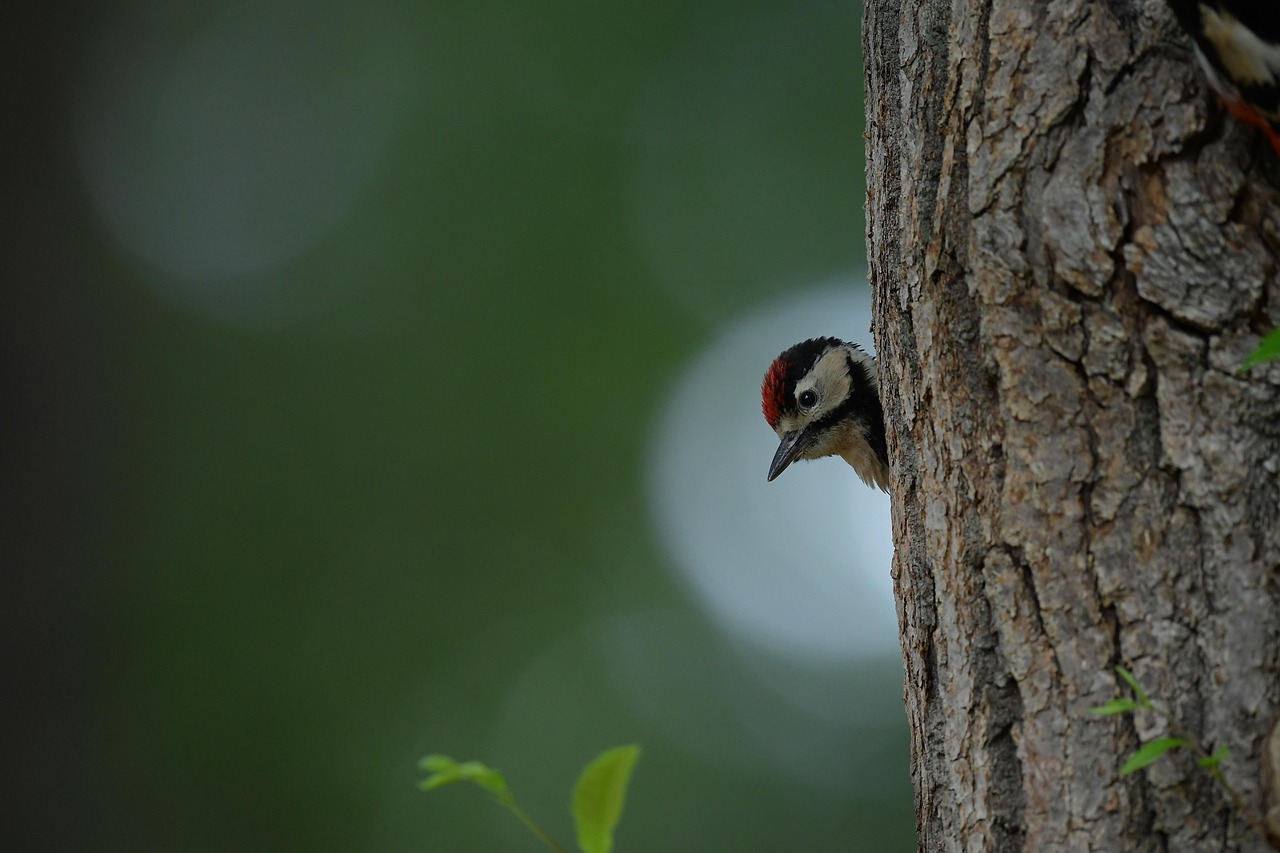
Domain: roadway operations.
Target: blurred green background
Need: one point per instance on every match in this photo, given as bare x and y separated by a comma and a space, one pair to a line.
337, 338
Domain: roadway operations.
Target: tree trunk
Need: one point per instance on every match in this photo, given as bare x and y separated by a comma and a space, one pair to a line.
1072, 250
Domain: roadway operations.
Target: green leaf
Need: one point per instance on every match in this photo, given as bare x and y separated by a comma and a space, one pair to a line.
444, 771
1115, 706
1149, 753
1211, 761
599, 796
1137, 688
1267, 350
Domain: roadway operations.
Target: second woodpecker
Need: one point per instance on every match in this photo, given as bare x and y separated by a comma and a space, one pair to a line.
822, 398
1237, 44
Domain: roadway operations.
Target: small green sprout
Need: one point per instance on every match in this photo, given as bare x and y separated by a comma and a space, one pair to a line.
1268, 350
598, 797
1179, 738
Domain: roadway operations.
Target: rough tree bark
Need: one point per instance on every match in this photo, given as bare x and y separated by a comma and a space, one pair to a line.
1072, 251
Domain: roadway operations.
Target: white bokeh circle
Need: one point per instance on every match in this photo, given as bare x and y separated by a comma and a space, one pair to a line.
800, 564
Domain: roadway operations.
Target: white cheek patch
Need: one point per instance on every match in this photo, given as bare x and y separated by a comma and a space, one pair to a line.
830, 381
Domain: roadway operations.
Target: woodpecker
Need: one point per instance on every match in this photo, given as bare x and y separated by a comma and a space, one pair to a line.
822, 398
1237, 44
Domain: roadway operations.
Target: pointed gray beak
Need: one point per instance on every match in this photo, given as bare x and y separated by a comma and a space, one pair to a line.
793, 443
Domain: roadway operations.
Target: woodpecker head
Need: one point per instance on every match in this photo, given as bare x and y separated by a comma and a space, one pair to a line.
822, 398
1237, 44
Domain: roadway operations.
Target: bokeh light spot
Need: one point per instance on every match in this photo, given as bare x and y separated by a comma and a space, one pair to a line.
801, 564
223, 151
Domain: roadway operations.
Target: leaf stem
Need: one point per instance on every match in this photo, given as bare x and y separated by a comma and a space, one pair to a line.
530, 823
1215, 770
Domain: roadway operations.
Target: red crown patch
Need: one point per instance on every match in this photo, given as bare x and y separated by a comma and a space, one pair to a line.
774, 392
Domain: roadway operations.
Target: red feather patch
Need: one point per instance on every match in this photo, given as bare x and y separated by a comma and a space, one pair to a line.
774, 392
786, 371
1246, 112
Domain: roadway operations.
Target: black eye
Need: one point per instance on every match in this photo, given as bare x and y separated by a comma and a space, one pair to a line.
807, 399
